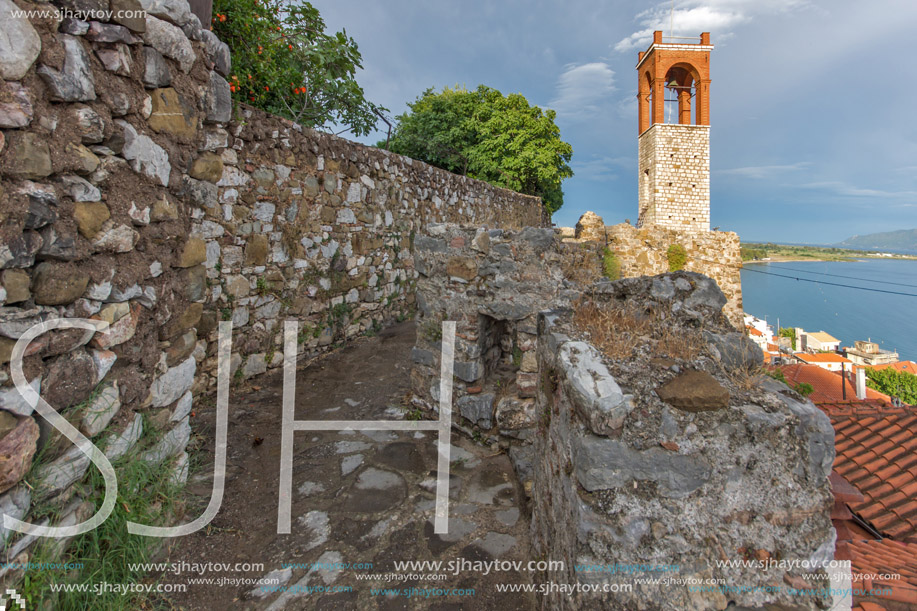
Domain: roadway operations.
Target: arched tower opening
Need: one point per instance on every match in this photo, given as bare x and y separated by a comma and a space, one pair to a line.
673, 91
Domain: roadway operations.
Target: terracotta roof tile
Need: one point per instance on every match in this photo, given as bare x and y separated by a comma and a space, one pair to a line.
876, 453
827, 385
884, 557
905, 366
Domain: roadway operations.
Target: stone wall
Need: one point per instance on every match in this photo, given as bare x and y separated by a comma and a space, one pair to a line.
492, 283
129, 194
674, 177
651, 460
643, 252
305, 225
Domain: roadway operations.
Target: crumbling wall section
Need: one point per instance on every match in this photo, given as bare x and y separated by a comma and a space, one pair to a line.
670, 466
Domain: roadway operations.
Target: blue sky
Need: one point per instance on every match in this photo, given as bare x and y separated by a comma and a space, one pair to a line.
813, 102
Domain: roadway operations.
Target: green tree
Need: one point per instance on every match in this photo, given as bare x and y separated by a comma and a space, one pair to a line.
895, 383
284, 62
485, 135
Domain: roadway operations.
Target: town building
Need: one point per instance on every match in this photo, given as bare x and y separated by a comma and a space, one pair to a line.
818, 341
826, 360
869, 354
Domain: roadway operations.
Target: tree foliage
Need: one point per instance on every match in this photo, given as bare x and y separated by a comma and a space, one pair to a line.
284, 62
894, 383
485, 135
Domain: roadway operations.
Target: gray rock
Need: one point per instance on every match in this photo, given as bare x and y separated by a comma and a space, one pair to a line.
270, 584
14, 503
172, 443
175, 382
80, 189
218, 52
427, 243
758, 419
58, 475
170, 41
478, 409
706, 293
597, 397
469, 371
19, 42
21, 250
156, 71
193, 29
39, 214
74, 83
734, 350
119, 445
90, 124
146, 156
116, 59
606, 464
109, 33
815, 427
254, 365
174, 11
377, 479
422, 357
73, 26
200, 192
17, 112
101, 410
219, 100
350, 463
540, 239
497, 544
114, 238
662, 288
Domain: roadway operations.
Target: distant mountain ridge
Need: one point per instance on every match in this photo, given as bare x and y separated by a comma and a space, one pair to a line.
903, 239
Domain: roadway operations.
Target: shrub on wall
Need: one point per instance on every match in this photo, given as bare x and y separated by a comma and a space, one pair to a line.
284, 62
677, 256
611, 266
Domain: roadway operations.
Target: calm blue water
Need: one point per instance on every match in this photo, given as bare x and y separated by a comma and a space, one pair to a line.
847, 314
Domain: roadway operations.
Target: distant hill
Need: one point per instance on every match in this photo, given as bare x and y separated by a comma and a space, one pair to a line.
904, 239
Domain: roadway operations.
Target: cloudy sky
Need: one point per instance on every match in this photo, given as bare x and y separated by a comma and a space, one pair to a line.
813, 102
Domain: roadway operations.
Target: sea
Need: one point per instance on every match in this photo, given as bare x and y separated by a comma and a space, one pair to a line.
858, 300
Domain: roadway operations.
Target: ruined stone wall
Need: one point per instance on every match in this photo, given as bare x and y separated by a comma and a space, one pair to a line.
669, 465
642, 252
492, 283
130, 194
674, 177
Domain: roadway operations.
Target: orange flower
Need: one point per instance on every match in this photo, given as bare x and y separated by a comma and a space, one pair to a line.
291, 47
266, 88
222, 17
249, 77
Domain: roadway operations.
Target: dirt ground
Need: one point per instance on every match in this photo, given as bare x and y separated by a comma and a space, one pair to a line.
358, 497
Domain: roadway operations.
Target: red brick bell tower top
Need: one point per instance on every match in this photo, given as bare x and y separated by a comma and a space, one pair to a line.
682, 67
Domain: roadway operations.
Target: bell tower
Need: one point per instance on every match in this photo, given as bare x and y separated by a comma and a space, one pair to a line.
674, 133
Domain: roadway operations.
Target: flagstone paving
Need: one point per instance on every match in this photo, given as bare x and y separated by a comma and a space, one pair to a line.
358, 497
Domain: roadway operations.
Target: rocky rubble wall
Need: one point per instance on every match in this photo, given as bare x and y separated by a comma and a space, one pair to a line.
642, 252
650, 461
131, 194
492, 282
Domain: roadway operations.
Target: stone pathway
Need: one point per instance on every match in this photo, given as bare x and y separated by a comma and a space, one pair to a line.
359, 497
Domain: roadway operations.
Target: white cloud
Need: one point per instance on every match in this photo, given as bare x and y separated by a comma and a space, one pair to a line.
761, 172
602, 169
582, 89
691, 17
836, 187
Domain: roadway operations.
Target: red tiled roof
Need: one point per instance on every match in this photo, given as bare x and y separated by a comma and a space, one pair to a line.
905, 366
827, 384
880, 557
876, 452
773, 348
755, 332
822, 357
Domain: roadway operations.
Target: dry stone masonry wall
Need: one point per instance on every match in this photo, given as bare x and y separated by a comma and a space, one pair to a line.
130, 194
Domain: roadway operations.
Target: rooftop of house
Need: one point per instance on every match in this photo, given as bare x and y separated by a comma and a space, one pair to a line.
876, 453
828, 386
753, 331
825, 338
883, 557
822, 357
904, 366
